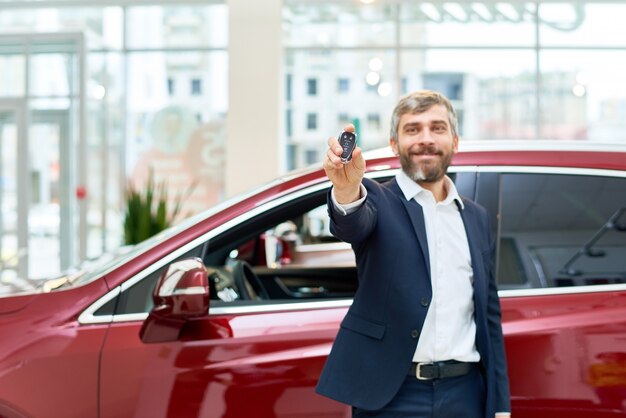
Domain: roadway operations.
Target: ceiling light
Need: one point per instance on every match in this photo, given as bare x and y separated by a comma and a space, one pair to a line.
579, 90
582, 78
384, 89
455, 10
372, 78
481, 10
98, 92
508, 11
431, 12
375, 64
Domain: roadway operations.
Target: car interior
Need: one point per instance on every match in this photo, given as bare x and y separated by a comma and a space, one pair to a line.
294, 257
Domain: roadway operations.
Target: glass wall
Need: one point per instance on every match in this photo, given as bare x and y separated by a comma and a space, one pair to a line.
514, 70
155, 104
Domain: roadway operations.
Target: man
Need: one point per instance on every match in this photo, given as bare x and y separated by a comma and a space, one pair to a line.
423, 336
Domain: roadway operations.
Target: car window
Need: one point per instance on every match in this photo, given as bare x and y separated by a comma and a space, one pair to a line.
287, 229
561, 230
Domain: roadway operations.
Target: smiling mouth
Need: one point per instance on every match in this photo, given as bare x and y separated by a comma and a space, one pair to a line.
425, 152
426, 155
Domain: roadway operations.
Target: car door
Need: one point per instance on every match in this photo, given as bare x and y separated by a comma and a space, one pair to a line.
561, 270
236, 362
246, 358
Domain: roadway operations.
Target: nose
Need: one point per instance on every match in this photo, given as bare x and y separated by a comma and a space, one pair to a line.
426, 137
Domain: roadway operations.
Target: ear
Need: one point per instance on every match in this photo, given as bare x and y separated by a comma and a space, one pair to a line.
394, 146
455, 144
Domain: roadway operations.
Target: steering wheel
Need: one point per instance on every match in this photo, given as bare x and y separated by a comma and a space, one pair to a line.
247, 283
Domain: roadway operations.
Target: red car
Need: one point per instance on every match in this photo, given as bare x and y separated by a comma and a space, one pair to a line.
233, 312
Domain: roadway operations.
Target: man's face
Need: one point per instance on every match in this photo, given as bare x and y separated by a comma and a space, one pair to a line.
425, 144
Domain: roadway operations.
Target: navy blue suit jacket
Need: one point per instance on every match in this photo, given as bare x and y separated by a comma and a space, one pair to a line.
378, 336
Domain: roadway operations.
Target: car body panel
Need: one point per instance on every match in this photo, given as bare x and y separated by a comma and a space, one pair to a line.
45, 355
553, 344
223, 365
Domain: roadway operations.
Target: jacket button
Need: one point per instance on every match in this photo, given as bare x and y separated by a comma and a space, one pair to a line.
424, 302
415, 333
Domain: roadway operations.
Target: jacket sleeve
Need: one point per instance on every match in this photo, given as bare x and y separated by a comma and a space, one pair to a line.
355, 227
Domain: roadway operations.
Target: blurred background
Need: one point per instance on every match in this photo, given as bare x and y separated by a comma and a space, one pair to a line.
212, 98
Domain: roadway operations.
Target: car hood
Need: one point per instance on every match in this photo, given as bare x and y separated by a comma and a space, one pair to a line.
12, 304
18, 287
15, 289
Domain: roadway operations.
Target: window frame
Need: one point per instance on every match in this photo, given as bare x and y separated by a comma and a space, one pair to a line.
88, 316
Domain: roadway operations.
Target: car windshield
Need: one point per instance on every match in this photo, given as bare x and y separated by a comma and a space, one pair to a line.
92, 269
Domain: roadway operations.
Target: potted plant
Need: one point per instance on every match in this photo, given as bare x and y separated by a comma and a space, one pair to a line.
148, 210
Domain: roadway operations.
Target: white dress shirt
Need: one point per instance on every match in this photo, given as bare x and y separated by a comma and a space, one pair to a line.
449, 331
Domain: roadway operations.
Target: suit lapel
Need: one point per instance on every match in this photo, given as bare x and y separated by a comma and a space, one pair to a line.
416, 214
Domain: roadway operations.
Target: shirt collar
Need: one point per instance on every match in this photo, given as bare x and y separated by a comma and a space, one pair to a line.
410, 189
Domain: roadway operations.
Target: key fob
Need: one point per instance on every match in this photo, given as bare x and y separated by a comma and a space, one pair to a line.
347, 140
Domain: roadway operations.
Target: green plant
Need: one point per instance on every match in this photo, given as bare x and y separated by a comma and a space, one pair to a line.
147, 211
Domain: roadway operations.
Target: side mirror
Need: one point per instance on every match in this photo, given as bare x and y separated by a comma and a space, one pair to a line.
181, 293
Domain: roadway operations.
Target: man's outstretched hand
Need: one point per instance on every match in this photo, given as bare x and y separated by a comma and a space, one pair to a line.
346, 178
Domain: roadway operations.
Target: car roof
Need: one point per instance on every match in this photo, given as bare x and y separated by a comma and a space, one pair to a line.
518, 145
547, 153
492, 152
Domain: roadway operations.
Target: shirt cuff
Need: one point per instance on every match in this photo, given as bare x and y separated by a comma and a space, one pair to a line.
350, 207
503, 414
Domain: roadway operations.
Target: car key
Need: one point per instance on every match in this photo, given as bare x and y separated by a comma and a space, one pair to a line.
347, 140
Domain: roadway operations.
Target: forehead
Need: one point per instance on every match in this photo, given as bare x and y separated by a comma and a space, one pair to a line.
436, 113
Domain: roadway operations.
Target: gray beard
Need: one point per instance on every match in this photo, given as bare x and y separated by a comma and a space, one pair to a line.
418, 175
415, 175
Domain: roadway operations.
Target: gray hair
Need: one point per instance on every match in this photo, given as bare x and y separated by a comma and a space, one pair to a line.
419, 102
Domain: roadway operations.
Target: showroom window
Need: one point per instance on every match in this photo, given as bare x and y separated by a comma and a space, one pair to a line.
138, 96
561, 230
514, 70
